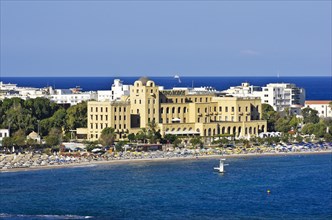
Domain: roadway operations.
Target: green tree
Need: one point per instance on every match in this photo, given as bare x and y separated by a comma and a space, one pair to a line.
152, 133
107, 136
7, 142
319, 130
282, 125
54, 137
41, 107
132, 137
196, 142
16, 118
142, 135
310, 116
19, 138
77, 116
270, 116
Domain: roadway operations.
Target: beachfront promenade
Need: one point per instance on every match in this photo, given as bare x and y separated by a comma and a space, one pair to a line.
23, 161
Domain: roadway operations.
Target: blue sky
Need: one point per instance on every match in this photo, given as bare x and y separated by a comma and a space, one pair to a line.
163, 38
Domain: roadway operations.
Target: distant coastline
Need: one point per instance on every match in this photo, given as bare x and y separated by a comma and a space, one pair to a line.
317, 87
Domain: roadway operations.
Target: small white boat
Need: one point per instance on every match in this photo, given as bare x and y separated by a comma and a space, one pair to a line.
221, 166
177, 77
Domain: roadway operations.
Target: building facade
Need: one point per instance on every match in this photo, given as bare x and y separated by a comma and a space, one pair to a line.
177, 112
279, 95
118, 89
3, 133
322, 106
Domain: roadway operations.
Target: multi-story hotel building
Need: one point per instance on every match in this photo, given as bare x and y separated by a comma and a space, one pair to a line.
279, 95
322, 106
178, 112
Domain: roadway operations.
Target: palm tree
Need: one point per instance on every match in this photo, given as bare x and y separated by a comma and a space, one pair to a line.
152, 132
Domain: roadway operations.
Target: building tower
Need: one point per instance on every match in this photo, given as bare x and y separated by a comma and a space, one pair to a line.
144, 98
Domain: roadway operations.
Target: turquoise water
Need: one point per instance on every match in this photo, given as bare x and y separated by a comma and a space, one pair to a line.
301, 188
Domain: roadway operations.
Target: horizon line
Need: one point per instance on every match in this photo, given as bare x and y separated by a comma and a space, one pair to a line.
67, 76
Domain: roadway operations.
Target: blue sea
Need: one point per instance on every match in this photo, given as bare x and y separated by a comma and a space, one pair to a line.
300, 185
317, 88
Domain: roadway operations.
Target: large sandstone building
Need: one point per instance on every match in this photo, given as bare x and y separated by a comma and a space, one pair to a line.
180, 112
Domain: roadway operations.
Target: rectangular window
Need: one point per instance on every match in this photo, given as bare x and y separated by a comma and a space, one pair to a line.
124, 109
115, 118
124, 117
120, 117
101, 117
106, 109
124, 126
96, 109
239, 109
115, 126
114, 109
96, 117
101, 109
91, 126
91, 117
101, 126
226, 109
220, 108
96, 126
106, 117
232, 109
91, 109
119, 126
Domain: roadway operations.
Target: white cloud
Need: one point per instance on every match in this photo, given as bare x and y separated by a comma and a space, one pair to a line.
249, 52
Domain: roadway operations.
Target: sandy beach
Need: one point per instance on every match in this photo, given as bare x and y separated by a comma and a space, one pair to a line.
144, 160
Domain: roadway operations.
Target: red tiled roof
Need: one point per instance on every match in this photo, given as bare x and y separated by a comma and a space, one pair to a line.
319, 102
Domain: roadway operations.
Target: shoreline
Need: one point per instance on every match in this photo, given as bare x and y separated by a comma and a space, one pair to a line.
127, 161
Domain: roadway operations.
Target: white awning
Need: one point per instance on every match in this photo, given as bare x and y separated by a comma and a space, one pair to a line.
181, 132
176, 119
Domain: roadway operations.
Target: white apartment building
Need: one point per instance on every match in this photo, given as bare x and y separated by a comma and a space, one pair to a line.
71, 96
3, 133
322, 106
118, 90
245, 90
278, 95
8, 90
282, 95
7, 86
